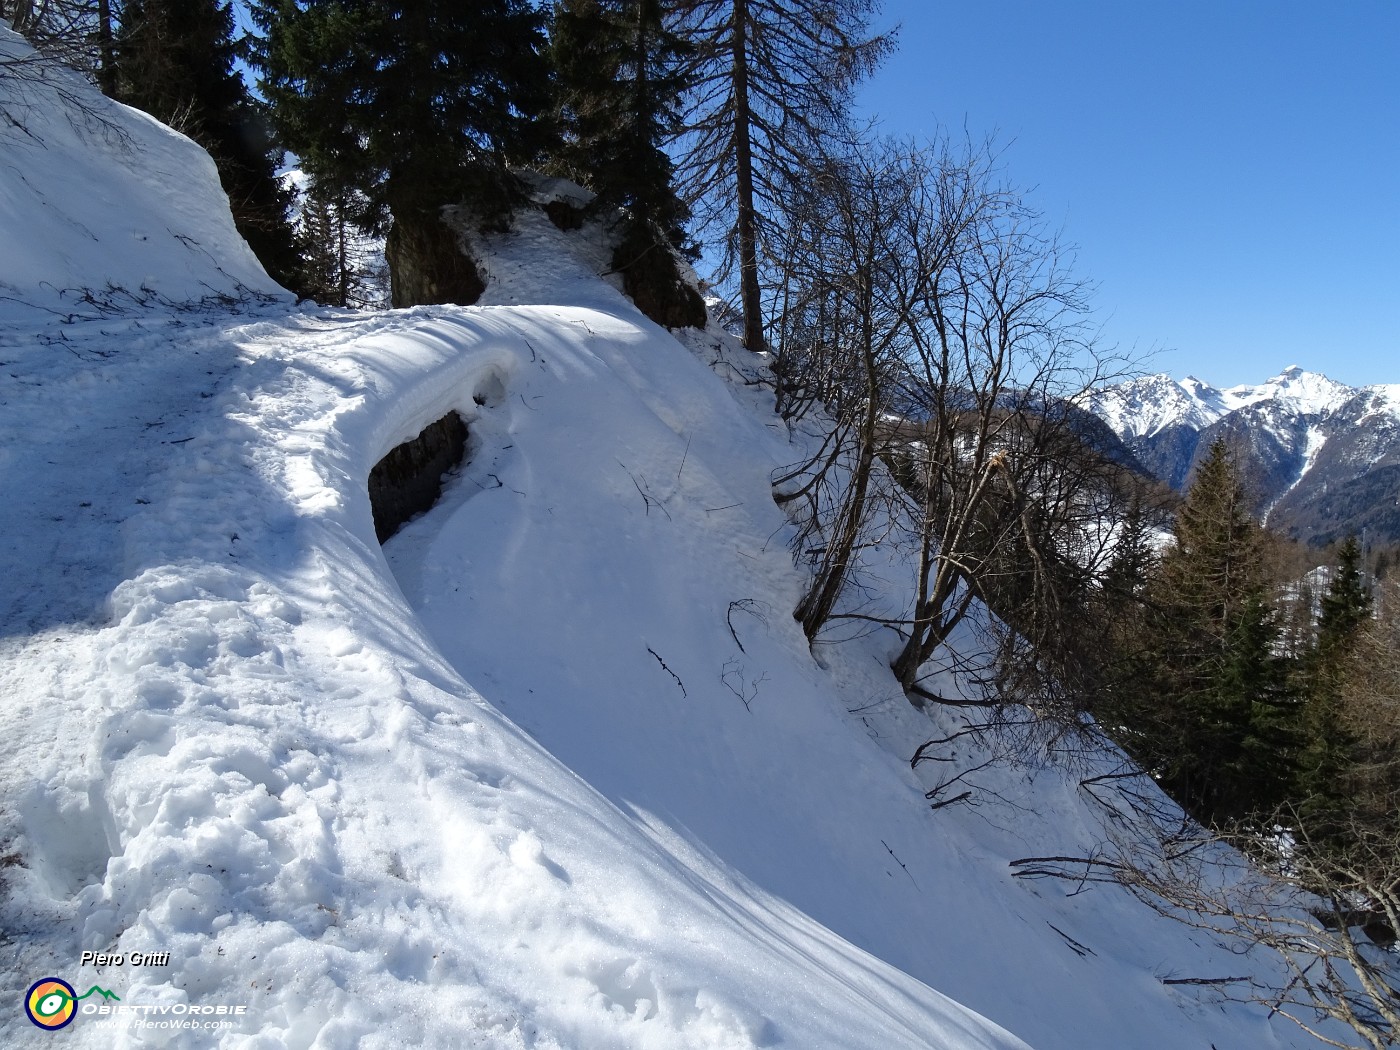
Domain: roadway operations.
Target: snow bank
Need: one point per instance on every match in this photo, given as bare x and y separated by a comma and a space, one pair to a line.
102, 207
261, 765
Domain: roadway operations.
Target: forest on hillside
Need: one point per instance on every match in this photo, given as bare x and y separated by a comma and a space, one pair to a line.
921, 322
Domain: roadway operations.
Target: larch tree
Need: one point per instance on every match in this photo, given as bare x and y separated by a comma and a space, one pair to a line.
770, 81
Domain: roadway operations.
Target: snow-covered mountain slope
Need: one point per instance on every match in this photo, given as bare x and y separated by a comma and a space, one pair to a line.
553, 768
1144, 407
1322, 457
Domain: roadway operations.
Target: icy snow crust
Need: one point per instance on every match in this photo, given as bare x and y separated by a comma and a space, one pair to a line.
554, 769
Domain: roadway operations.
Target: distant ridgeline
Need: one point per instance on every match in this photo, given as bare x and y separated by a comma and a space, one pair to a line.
1322, 458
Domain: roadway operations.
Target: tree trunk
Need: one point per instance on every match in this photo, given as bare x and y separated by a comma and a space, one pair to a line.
106, 50
743, 166
817, 606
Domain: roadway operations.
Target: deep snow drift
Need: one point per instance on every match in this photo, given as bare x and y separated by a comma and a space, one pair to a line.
554, 768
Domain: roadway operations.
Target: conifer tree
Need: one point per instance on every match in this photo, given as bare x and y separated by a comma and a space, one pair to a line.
175, 60
1219, 715
339, 266
1328, 753
1347, 603
619, 83
407, 106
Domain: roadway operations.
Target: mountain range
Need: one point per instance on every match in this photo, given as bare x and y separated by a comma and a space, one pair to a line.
1322, 458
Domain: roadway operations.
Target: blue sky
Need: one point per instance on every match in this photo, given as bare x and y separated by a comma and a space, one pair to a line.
1229, 169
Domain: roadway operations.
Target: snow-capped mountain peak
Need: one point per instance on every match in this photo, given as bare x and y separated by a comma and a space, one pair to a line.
1146, 406
1297, 390
1305, 437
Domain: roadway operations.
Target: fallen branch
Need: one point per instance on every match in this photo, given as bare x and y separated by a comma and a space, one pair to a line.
668, 670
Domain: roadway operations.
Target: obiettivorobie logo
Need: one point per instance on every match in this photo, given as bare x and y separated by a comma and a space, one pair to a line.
52, 1003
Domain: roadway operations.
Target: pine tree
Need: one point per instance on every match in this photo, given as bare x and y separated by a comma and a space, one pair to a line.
175, 60
407, 106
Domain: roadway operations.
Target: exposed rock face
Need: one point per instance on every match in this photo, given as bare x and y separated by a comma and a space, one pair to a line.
408, 480
564, 215
1170, 454
653, 282
429, 264
1353, 484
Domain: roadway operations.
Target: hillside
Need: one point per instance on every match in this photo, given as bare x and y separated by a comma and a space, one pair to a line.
553, 767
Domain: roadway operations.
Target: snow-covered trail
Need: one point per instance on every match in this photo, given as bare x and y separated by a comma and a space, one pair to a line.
261, 765
663, 666
584, 787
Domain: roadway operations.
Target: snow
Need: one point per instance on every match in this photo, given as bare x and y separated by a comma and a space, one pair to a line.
1384, 402
1144, 407
553, 768
101, 206
1297, 391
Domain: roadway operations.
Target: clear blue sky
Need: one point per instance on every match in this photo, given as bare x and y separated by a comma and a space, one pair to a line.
1229, 169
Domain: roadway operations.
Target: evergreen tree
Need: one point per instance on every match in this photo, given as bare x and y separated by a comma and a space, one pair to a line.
321, 233
175, 60
407, 106
1347, 603
618, 86
1134, 556
1325, 771
1220, 719
339, 267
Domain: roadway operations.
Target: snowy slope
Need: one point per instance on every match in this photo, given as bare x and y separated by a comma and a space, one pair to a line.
258, 763
553, 768
102, 207
1144, 407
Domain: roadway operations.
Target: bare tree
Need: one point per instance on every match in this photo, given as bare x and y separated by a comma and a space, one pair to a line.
841, 328
77, 33
1317, 922
928, 312
50, 64
1006, 490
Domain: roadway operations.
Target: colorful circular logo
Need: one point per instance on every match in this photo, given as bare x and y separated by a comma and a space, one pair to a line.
51, 1003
